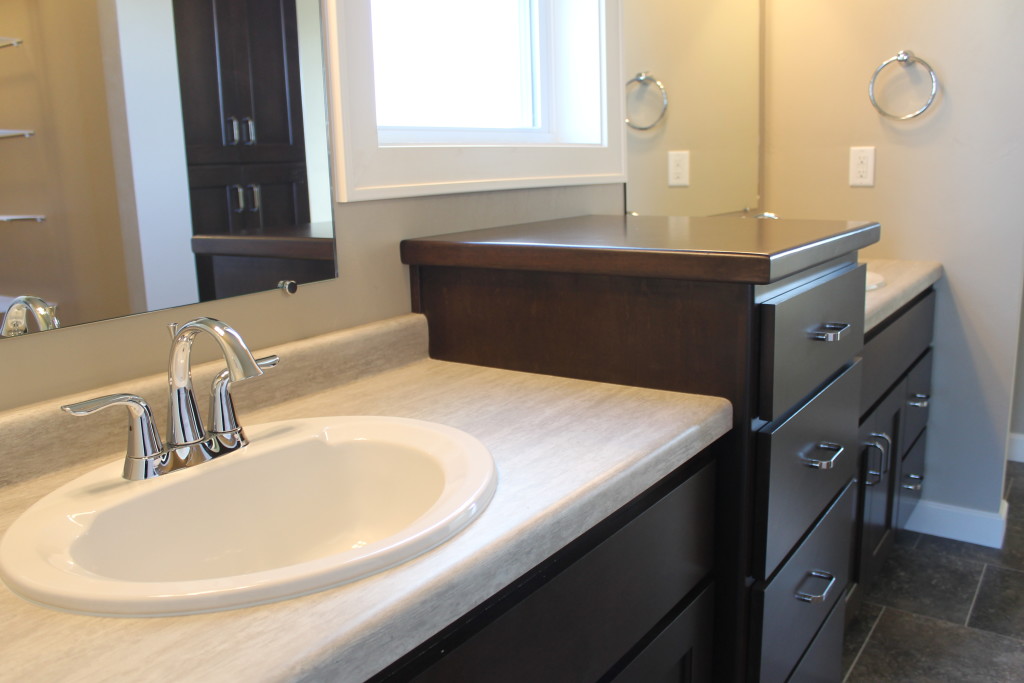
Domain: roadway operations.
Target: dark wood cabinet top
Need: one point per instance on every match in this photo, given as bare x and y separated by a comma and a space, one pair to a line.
313, 241
716, 248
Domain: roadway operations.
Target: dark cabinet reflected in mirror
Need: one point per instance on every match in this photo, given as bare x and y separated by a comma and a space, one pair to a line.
177, 152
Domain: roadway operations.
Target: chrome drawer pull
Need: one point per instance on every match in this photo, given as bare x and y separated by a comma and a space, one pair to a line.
816, 597
830, 332
881, 464
919, 401
825, 464
917, 478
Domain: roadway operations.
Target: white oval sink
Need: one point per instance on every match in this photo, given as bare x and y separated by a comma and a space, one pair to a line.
309, 504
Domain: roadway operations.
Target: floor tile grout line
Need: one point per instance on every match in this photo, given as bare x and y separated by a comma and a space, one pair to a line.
977, 591
871, 632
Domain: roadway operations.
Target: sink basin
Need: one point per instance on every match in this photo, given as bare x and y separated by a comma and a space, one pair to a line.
309, 504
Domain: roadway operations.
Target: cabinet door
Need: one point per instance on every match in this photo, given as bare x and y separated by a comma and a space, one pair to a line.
879, 438
238, 70
681, 652
239, 200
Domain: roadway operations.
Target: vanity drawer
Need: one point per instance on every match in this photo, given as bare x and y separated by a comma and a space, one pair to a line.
797, 601
823, 661
806, 335
891, 348
911, 480
804, 462
915, 405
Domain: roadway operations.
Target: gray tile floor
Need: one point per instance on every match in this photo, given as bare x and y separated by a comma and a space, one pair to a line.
944, 610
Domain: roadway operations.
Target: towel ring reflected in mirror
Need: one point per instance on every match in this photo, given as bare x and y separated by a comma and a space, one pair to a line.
643, 79
904, 58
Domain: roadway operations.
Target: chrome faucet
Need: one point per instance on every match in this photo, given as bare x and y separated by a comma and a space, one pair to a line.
15, 323
188, 441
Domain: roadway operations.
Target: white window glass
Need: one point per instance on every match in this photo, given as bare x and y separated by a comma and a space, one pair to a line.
454, 63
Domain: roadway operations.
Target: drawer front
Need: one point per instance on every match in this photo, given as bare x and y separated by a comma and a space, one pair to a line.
911, 481
893, 346
823, 661
807, 334
805, 462
800, 597
915, 405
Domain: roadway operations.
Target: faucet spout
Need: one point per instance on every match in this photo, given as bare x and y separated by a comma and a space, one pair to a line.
15, 319
184, 425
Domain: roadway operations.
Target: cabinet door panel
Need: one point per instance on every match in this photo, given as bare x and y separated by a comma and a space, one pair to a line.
584, 620
879, 436
682, 652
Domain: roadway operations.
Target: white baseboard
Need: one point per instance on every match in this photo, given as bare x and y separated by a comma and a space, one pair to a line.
1016, 451
959, 524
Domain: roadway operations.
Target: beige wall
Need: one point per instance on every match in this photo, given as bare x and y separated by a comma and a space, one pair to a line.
707, 56
373, 285
947, 189
54, 84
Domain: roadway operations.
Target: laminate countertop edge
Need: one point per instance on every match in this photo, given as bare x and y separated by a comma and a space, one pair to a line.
568, 452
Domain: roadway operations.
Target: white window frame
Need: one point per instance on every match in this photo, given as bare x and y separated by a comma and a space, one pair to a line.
364, 170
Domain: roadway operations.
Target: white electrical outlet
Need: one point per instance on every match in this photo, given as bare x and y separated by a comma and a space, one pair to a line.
679, 168
862, 167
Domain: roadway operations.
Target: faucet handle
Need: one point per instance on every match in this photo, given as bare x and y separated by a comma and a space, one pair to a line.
144, 442
222, 410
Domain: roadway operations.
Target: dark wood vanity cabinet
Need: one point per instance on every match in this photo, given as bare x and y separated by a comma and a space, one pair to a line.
632, 600
768, 314
897, 361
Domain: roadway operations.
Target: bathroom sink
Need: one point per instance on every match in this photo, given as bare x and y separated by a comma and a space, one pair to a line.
309, 504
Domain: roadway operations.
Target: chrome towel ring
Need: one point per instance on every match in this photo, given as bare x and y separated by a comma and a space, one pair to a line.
904, 58
643, 78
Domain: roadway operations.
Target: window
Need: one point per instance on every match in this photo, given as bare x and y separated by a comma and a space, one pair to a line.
462, 95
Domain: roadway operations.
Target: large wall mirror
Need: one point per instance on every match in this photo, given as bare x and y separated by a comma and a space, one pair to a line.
160, 152
706, 56
172, 164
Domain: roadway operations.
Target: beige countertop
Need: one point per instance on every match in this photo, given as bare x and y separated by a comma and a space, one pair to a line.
568, 454
903, 281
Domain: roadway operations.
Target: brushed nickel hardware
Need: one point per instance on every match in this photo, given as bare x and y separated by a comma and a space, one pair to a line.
905, 58
250, 126
917, 478
236, 131
823, 464
14, 219
643, 78
189, 443
816, 597
288, 286
919, 401
881, 462
10, 42
887, 462
256, 198
239, 197
16, 133
15, 321
829, 332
